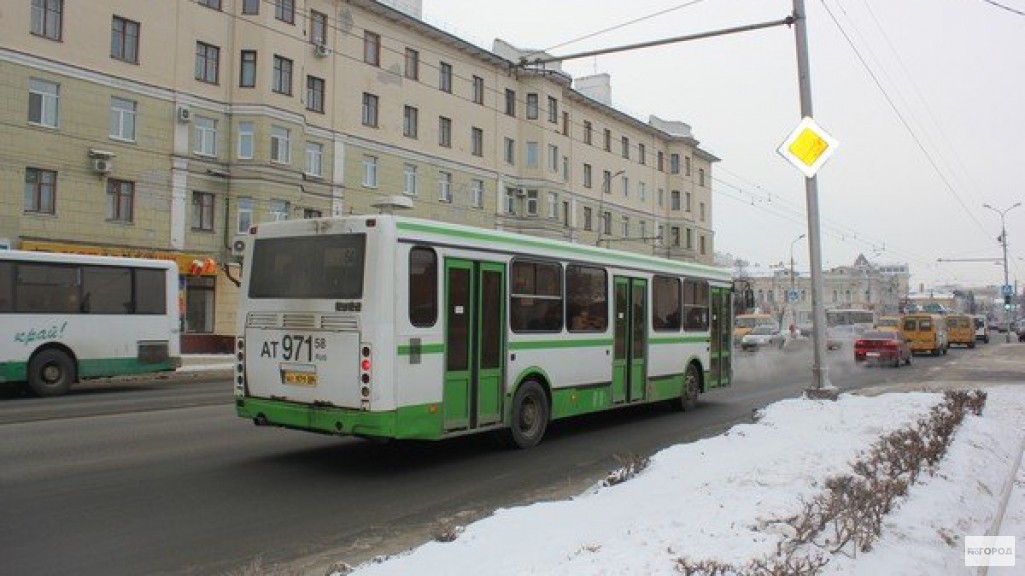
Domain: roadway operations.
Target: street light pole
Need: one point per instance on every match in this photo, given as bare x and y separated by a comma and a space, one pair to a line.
822, 387
1003, 242
793, 281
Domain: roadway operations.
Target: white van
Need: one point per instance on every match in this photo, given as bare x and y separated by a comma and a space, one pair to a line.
981, 328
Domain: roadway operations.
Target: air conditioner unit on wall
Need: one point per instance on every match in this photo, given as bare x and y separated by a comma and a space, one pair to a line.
103, 166
321, 50
238, 246
521, 192
184, 114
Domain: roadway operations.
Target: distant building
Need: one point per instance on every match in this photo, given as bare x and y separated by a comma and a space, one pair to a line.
861, 285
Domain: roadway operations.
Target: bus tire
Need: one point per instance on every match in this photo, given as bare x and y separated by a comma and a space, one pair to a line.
530, 412
50, 373
688, 399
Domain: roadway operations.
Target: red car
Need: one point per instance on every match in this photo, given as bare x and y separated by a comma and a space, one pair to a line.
883, 347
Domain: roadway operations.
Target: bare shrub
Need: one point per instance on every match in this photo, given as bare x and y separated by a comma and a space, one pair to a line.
629, 466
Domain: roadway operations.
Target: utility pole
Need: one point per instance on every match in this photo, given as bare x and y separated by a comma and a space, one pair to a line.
1003, 242
821, 386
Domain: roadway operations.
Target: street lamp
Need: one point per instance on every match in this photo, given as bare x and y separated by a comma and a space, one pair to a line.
1003, 242
793, 280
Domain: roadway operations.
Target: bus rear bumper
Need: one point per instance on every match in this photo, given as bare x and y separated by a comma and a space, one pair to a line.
416, 422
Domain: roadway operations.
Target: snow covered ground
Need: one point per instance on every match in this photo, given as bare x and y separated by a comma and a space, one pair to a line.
716, 499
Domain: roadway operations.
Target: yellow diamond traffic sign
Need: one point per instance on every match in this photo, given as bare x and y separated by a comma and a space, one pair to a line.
808, 147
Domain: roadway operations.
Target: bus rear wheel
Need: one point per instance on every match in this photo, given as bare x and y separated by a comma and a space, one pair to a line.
530, 413
50, 373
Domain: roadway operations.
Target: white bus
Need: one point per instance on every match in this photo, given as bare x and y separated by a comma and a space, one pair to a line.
389, 327
66, 317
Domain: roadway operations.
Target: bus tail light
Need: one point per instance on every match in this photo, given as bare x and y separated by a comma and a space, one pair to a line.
240, 368
365, 364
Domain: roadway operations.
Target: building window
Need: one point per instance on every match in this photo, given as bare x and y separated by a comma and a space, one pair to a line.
444, 132
626, 187
532, 154
510, 102
315, 94
553, 206
686, 165
532, 106
606, 223
565, 123
251, 6
122, 119
553, 158
372, 48
124, 40
608, 140
318, 28
674, 233
587, 219
660, 159
626, 147
245, 215
510, 201
587, 175
412, 64
703, 251
47, 18
674, 163
445, 77
565, 168
642, 154
477, 142
203, 211
690, 239
277, 211
661, 197
314, 159
510, 151
207, 62
688, 206
701, 176
309, 213
369, 110
642, 191
280, 145
205, 137
215, 4
553, 110
284, 10
478, 90
40, 191
445, 186
477, 191
531, 202
120, 200
626, 226
410, 121
245, 140
370, 171
588, 130
43, 103
282, 79
409, 180
674, 200
606, 181
701, 211
247, 70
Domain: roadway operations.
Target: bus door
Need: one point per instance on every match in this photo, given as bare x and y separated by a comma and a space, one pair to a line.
721, 335
474, 343
629, 370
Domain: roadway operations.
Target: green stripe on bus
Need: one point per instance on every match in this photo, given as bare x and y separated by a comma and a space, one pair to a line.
680, 340
554, 344
421, 421
405, 349
521, 242
95, 368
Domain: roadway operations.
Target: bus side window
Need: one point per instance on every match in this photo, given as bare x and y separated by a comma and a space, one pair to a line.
423, 287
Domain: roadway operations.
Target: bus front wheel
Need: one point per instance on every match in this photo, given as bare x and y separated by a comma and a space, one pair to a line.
529, 415
688, 399
50, 373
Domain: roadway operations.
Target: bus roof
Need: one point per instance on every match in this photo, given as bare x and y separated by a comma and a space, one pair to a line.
65, 258
508, 242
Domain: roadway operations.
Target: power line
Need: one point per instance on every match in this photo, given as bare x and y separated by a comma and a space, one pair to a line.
1002, 7
623, 25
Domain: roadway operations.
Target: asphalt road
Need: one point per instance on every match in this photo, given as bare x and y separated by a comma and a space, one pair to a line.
160, 477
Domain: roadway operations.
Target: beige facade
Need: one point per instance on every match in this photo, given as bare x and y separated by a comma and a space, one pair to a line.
170, 127
861, 285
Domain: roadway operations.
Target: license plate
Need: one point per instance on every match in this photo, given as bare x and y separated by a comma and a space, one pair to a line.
299, 375
872, 354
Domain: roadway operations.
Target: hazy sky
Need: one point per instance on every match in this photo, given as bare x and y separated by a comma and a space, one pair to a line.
954, 70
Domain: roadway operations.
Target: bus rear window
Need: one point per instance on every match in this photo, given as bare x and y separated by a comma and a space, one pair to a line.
308, 267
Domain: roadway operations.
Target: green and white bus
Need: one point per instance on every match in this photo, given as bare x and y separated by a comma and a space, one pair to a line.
390, 327
66, 317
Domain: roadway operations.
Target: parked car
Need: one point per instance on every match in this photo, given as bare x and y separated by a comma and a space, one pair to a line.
760, 337
882, 347
1021, 331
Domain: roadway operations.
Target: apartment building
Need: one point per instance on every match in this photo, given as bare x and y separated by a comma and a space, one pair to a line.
167, 129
